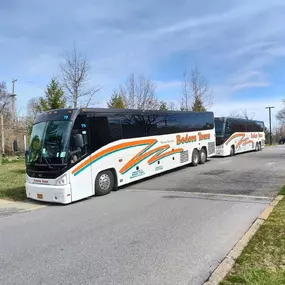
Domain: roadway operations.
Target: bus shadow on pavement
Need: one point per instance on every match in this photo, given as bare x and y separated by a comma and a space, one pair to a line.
164, 173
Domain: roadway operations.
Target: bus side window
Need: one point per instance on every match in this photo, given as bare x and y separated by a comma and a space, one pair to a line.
115, 127
133, 126
228, 130
99, 132
79, 127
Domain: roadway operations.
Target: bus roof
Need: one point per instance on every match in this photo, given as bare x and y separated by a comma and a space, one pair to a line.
240, 119
118, 110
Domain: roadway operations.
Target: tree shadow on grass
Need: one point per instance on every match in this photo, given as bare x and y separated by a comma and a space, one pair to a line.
19, 171
15, 193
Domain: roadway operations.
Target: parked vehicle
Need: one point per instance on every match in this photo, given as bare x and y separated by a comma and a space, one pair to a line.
238, 135
77, 153
282, 141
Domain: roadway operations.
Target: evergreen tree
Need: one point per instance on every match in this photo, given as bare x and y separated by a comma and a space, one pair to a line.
163, 106
54, 97
116, 101
197, 105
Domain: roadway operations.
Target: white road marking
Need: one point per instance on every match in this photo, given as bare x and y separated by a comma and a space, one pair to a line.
271, 163
201, 194
225, 161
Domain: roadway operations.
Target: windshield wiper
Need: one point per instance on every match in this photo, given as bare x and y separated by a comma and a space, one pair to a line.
48, 164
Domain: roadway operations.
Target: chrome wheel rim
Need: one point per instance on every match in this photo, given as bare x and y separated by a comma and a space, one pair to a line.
104, 182
196, 158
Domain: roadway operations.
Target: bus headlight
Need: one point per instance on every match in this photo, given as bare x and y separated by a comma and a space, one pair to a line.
62, 180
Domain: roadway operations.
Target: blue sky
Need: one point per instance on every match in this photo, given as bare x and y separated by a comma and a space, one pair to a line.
239, 46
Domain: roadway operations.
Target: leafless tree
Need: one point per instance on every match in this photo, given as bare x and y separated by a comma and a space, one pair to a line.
196, 95
75, 76
242, 114
4, 100
172, 106
32, 110
281, 114
139, 93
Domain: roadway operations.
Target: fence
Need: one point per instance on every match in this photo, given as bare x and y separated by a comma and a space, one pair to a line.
13, 139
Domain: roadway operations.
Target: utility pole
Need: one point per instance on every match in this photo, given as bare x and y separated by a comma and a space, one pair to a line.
2, 136
270, 135
13, 95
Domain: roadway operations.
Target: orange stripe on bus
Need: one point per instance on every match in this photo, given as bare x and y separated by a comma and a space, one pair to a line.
112, 149
165, 154
233, 137
139, 157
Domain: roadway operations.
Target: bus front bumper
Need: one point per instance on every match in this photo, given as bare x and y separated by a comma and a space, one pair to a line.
220, 151
49, 193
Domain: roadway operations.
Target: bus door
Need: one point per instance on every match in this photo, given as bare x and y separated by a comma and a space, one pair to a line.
99, 137
81, 174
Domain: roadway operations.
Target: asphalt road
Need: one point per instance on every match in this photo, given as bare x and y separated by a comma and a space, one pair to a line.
140, 235
253, 173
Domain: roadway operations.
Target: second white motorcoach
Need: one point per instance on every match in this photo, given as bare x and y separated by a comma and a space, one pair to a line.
238, 135
76, 153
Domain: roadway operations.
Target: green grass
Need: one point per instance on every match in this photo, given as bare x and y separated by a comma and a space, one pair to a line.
12, 180
282, 191
263, 261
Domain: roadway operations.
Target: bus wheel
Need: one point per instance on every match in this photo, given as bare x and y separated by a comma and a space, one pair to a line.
195, 157
232, 152
260, 148
257, 147
203, 155
104, 183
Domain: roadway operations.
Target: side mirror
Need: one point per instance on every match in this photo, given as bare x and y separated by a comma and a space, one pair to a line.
78, 141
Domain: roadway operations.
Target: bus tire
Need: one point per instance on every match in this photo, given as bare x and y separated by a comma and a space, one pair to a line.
257, 147
195, 157
232, 152
105, 182
203, 155
260, 147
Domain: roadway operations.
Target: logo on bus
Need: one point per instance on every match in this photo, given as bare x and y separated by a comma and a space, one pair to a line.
255, 136
189, 139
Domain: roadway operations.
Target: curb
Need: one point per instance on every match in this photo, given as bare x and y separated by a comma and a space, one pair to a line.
21, 205
228, 262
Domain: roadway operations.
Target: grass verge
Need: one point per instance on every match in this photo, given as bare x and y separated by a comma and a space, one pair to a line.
282, 191
12, 180
263, 260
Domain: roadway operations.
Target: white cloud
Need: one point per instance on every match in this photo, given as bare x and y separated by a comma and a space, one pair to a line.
162, 85
255, 107
239, 39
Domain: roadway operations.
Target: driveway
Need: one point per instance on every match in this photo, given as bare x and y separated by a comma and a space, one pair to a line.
172, 229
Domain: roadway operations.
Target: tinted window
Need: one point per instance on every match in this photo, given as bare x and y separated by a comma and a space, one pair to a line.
239, 125
115, 127
155, 124
219, 126
79, 127
182, 122
260, 126
133, 125
251, 127
99, 132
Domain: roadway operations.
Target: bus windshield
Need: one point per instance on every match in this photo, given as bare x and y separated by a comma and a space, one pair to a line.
219, 126
49, 142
